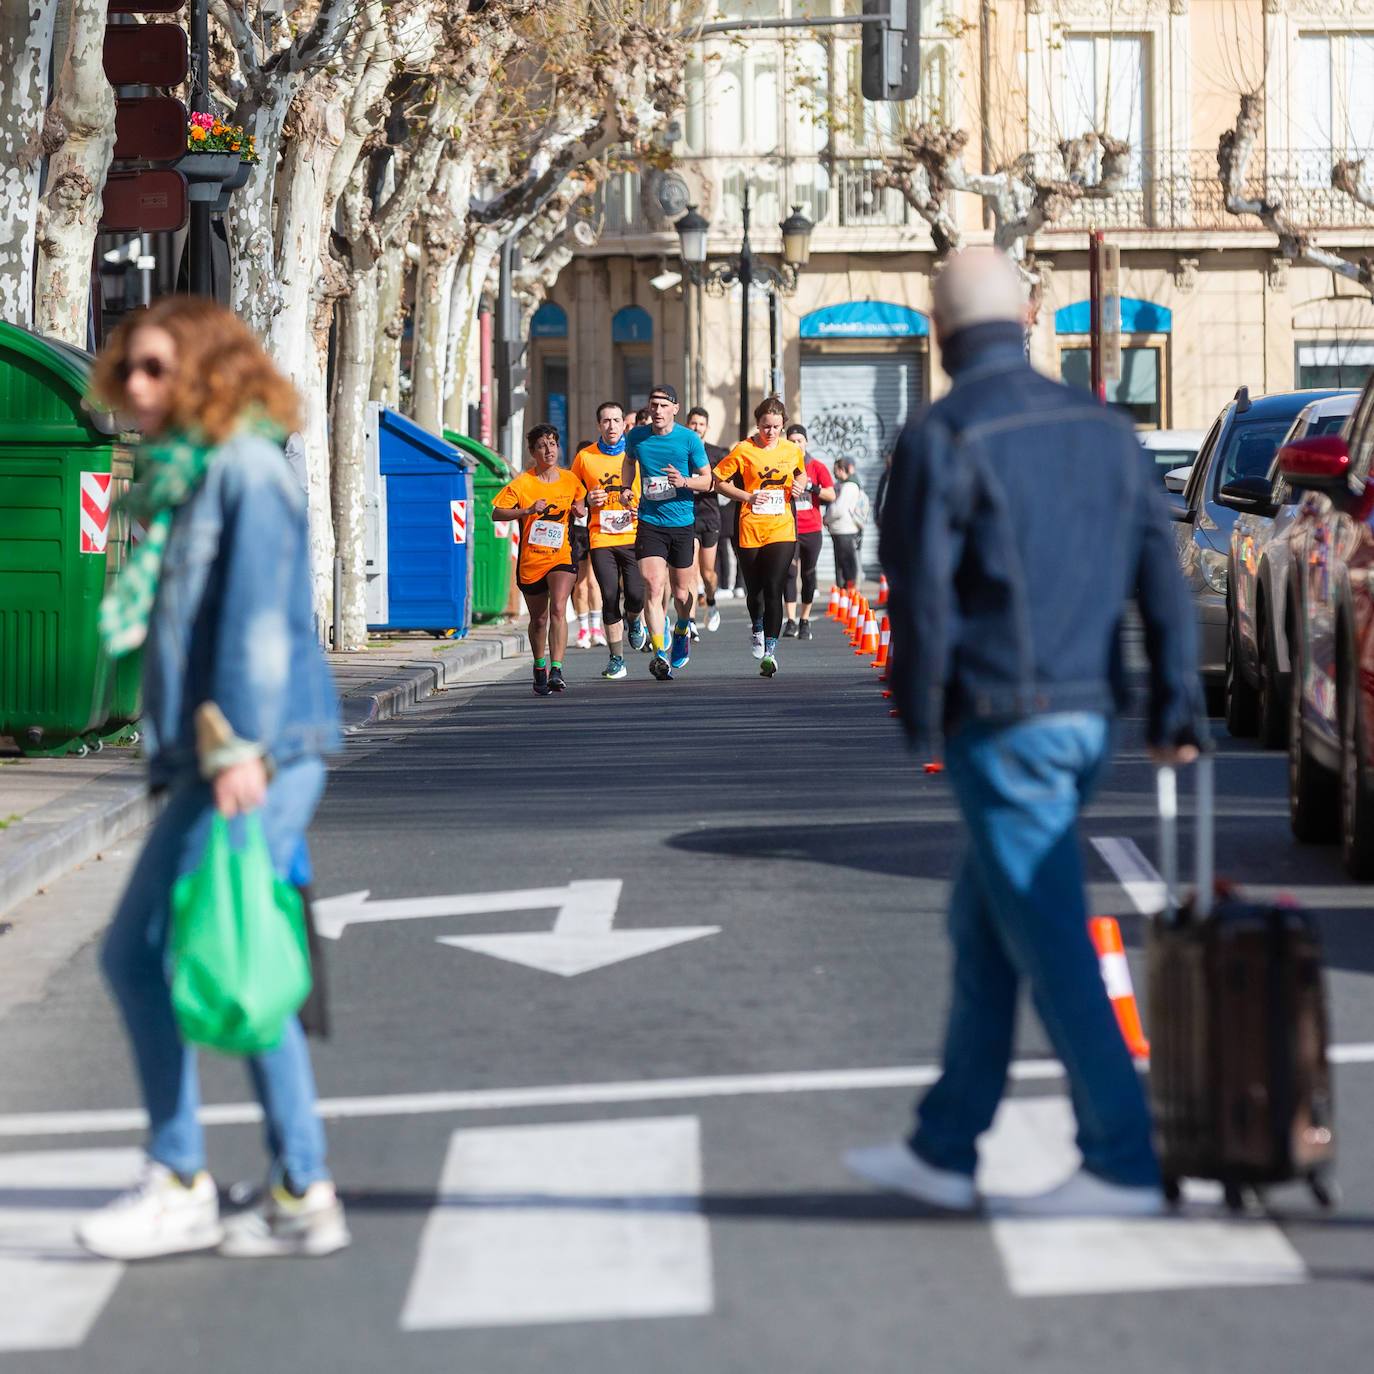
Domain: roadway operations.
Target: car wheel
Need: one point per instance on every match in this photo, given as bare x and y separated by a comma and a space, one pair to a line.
1273, 707
1357, 801
1313, 795
1242, 704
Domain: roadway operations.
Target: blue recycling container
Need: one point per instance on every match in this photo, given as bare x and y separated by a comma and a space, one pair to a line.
429, 527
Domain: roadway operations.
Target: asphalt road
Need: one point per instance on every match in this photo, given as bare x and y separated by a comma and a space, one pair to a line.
637, 1166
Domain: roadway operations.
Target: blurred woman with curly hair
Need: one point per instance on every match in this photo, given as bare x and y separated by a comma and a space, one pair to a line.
239, 709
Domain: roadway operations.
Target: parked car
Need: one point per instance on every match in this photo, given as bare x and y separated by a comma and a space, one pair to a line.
1171, 448
1257, 579
1331, 637
1241, 443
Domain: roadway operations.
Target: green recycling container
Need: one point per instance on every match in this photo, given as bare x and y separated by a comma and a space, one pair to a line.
62, 541
491, 556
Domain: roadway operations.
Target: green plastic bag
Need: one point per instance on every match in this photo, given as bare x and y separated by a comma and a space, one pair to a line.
240, 963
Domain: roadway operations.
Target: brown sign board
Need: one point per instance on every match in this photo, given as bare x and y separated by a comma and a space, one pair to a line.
151, 129
145, 6
150, 199
146, 54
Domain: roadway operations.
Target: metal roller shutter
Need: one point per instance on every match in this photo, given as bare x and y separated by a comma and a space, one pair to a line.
854, 406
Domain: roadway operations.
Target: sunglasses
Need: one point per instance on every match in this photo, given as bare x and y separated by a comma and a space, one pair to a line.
152, 368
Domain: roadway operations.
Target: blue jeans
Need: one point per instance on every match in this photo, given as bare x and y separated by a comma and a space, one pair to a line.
1018, 912
135, 963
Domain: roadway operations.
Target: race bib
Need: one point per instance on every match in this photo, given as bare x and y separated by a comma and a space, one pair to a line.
546, 534
617, 521
658, 489
770, 501
803, 502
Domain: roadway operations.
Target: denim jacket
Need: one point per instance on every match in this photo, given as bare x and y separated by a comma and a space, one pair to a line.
1019, 519
233, 623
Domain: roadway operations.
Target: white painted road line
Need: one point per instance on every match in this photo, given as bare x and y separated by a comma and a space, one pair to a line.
1134, 872
1030, 1147
107, 1121
592, 1221
51, 1291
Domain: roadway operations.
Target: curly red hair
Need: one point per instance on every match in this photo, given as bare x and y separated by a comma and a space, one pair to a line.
222, 370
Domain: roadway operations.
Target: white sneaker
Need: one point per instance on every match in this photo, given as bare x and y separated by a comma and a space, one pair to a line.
897, 1169
584, 639
756, 643
160, 1215
724, 594
280, 1224
1084, 1195
713, 620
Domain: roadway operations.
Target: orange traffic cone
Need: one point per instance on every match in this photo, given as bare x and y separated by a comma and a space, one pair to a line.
882, 590
884, 639
842, 610
834, 602
856, 628
853, 615
868, 642
1116, 974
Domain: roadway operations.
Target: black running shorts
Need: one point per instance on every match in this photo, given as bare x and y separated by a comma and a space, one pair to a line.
674, 543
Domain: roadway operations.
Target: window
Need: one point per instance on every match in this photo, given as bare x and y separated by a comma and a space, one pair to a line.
1334, 364
1105, 91
1249, 450
1137, 392
1333, 114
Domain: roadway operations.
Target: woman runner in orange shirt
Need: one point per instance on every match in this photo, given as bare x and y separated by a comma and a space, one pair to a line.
771, 473
543, 499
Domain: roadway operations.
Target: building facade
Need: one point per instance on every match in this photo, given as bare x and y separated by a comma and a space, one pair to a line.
1209, 301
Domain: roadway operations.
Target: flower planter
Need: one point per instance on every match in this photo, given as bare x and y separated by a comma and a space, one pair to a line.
239, 178
206, 172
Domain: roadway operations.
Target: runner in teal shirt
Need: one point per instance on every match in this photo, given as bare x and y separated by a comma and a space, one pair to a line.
671, 464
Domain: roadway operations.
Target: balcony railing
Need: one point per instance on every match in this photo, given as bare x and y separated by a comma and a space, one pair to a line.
1183, 190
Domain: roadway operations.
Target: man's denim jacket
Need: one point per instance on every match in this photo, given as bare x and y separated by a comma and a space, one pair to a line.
1020, 518
233, 622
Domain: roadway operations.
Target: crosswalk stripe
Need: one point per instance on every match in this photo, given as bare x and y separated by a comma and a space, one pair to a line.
51, 1291
1030, 1147
588, 1221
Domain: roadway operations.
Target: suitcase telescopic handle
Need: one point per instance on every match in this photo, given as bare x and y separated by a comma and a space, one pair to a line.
1166, 783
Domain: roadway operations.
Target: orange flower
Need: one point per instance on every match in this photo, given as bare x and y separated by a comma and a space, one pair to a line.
197, 133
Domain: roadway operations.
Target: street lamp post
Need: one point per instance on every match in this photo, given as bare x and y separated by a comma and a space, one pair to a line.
744, 268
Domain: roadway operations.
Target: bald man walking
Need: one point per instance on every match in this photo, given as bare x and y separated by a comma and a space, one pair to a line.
1005, 657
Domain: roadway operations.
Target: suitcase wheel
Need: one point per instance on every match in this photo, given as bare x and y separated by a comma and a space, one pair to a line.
1172, 1191
1324, 1188
1235, 1198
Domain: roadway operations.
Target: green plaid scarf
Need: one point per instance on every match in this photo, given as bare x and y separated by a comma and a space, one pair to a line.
168, 472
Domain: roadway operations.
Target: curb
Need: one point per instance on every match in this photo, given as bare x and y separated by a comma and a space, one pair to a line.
69, 833
70, 837
411, 683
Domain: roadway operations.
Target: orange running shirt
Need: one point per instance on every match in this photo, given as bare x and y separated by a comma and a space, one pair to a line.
545, 540
764, 469
614, 523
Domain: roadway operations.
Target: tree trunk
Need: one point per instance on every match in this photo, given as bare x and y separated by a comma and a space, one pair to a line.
386, 348
433, 289
478, 256
26, 38
84, 111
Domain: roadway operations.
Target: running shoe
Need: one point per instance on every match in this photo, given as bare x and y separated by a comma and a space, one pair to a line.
682, 649
584, 639
804, 630
658, 666
615, 668
161, 1215
713, 620
598, 637
639, 636
789, 628
541, 682
756, 642
768, 665
283, 1224
556, 683
693, 631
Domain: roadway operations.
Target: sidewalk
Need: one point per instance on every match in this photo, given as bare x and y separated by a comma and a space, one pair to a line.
57, 813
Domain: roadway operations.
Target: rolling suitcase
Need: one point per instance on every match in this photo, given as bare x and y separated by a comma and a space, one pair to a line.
1239, 1080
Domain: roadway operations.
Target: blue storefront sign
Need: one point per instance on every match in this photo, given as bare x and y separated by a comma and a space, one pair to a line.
864, 320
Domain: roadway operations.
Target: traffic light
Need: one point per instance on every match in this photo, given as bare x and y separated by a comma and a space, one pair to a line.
891, 67
149, 129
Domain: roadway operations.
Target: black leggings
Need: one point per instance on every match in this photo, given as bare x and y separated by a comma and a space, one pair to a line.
609, 565
808, 555
765, 575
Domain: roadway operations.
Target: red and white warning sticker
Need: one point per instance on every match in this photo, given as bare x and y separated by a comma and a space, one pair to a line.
459, 510
95, 511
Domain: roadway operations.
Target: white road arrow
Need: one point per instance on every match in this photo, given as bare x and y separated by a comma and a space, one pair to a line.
582, 937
